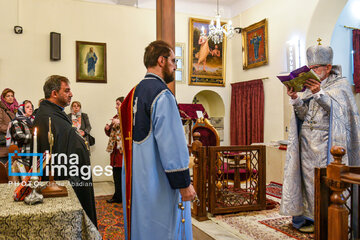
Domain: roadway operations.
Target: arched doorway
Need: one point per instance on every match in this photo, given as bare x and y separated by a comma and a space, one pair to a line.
215, 108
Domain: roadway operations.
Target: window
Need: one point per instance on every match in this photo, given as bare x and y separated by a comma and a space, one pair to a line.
180, 70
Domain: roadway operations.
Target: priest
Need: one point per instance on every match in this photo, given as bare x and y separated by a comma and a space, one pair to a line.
324, 115
157, 186
70, 150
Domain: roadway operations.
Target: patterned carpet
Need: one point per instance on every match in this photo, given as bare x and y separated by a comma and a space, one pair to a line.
243, 196
246, 225
283, 224
274, 189
266, 224
110, 219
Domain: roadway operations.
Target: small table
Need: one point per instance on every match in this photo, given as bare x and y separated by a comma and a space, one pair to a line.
56, 218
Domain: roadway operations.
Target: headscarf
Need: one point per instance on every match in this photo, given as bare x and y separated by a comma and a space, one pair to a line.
76, 117
20, 115
13, 106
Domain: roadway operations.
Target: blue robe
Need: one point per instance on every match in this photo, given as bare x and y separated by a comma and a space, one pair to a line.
160, 162
91, 59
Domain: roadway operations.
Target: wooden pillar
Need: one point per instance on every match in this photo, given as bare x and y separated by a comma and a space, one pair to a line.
199, 179
337, 212
165, 25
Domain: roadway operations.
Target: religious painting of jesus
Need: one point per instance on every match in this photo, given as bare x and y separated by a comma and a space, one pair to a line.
91, 62
255, 45
206, 59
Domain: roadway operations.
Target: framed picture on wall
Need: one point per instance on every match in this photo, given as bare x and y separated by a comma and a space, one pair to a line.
255, 45
206, 59
91, 62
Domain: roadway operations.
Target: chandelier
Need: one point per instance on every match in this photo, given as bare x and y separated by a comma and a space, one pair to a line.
216, 32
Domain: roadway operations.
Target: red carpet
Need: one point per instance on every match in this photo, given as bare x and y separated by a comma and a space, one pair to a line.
110, 219
274, 189
284, 225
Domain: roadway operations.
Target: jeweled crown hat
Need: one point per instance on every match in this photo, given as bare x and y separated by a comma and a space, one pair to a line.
319, 54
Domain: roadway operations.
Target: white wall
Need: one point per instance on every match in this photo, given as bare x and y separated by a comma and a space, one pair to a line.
286, 19
25, 64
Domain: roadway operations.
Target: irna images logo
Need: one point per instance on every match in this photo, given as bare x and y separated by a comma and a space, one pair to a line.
38, 174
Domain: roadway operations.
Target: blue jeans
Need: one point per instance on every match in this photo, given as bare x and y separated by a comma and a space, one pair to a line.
299, 221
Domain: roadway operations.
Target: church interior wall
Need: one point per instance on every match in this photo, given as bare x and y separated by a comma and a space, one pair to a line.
310, 20
341, 39
25, 64
186, 93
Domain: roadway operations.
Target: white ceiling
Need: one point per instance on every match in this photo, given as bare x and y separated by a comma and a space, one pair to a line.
228, 8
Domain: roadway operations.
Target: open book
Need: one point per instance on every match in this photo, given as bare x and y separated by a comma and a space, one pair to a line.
298, 77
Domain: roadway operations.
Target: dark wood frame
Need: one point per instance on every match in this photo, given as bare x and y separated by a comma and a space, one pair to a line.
99, 47
246, 34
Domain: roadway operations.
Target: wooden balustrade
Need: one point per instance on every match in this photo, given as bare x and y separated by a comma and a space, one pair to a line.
337, 212
199, 178
331, 214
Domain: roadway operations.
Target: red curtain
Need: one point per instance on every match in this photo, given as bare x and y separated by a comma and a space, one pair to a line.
356, 48
247, 113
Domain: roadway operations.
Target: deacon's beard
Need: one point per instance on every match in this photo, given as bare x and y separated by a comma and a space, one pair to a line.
168, 77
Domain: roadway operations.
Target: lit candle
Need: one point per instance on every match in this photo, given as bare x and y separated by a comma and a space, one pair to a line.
34, 163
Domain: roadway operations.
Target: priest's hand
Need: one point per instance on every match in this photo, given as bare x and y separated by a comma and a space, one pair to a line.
188, 194
291, 92
313, 85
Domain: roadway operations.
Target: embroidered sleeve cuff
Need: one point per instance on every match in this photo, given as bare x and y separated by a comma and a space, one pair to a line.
318, 94
178, 179
295, 101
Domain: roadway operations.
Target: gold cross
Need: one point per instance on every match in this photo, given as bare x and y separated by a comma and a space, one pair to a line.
319, 41
129, 138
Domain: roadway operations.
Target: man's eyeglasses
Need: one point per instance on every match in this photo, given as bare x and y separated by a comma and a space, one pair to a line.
316, 67
175, 61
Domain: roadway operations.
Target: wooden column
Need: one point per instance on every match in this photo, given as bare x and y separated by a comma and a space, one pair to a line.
165, 25
337, 212
199, 179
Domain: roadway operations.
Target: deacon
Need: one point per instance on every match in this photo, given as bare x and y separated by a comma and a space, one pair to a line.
157, 187
324, 115
67, 141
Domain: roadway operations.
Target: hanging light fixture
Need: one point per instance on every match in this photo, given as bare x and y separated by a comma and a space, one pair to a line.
217, 31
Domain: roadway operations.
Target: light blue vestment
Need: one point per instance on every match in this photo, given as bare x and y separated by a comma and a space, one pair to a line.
154, 205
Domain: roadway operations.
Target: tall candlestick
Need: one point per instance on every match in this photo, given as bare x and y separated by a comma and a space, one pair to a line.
34, 162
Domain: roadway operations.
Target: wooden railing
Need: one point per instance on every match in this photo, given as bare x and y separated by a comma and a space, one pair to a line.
213, 170
334, 191
199, 177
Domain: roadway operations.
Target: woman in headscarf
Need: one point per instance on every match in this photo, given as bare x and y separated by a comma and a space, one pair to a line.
80, 120
21, 132
8, 107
